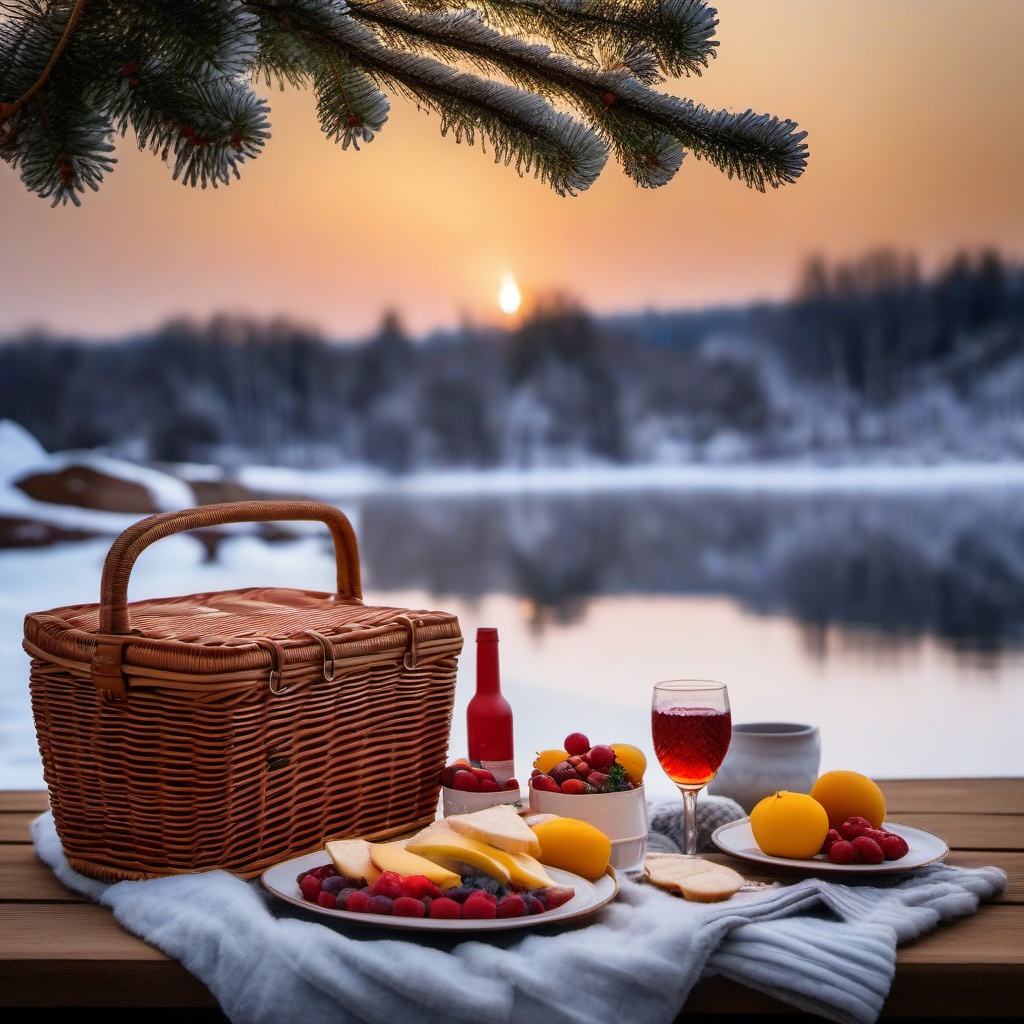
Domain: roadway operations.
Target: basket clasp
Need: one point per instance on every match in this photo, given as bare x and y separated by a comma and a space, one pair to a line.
107, 676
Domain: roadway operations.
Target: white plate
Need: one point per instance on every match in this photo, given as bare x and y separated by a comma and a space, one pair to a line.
737, 839
590, 896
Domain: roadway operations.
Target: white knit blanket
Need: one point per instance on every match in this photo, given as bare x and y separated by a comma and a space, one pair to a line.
822, 947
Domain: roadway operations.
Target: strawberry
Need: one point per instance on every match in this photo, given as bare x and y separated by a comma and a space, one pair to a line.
388, 883
466, 781
545, 783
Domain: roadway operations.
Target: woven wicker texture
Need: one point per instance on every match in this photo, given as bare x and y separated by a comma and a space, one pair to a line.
239, 728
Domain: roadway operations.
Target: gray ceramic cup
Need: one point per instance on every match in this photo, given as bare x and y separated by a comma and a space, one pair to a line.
765, 757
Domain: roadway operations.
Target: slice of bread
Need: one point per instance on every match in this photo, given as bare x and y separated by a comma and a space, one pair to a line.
351, 857
693, 878
500, 826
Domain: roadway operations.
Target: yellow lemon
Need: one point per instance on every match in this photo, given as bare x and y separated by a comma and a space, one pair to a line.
547, 759
845, 794
789, 825
632, 759
573, 845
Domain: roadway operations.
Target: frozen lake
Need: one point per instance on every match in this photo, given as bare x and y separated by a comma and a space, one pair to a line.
892, 616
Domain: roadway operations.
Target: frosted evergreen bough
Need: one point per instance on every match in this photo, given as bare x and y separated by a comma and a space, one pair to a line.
552, 87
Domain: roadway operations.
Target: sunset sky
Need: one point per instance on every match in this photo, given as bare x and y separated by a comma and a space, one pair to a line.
916, 141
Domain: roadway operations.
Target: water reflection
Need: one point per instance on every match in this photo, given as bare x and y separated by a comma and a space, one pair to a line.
900, 567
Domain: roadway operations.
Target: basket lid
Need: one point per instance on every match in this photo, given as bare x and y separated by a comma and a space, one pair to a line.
201, 635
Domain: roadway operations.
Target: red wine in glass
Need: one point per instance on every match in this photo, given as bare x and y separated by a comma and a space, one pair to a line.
691, 725
691, 742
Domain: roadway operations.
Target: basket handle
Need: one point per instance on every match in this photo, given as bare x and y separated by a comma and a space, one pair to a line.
113, 607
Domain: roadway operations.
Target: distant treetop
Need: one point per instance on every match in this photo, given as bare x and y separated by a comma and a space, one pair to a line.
552, 86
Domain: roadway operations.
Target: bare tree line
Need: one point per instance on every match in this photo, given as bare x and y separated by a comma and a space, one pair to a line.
859, 342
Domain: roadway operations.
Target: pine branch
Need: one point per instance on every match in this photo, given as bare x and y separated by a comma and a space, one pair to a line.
8, 110
638, 123
180, 76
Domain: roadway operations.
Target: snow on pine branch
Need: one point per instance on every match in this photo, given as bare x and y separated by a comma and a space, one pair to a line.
181, 76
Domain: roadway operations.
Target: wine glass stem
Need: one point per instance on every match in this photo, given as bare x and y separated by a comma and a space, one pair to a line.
690, 820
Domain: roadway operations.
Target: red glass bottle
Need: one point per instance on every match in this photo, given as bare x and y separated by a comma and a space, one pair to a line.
489, 714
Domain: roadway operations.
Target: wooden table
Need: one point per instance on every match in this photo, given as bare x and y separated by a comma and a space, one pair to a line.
58, 950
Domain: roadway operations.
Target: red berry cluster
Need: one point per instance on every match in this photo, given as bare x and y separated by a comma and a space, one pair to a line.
471, 777
398, 895
587, 769
857, 841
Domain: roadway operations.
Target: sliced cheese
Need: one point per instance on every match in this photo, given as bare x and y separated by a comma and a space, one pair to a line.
448, 848
351, 858
438, 840
395, 857
528, 872
501, 826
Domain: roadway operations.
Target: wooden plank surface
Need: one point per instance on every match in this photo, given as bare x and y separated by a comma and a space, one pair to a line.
57, 950
950, 796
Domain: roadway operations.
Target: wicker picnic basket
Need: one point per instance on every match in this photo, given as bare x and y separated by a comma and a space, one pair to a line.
239, 728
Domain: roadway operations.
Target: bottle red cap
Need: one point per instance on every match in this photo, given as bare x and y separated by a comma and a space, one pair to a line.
486, 633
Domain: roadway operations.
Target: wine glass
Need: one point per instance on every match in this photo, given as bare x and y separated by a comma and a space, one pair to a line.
691, 725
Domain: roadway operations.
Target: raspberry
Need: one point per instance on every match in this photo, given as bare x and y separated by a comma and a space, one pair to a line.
842, 852
512, 905
576, 743
445, 909
875, 833
480, 906
832, 837
310, 886
557, 895
894, 846
357, 901
407, 906
327, 899
388, 884
466, 781
868, 851
574, 786
341, 899
853, 827
601, 757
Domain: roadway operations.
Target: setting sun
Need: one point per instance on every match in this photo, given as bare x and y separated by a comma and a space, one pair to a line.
509, 296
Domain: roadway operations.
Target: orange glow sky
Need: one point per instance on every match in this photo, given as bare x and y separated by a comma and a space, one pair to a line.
916, 141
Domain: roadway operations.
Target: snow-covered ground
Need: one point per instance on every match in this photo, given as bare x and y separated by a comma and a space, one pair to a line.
888, 710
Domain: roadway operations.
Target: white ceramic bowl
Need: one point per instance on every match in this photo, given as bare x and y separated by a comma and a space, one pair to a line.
622, 817
457, 801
